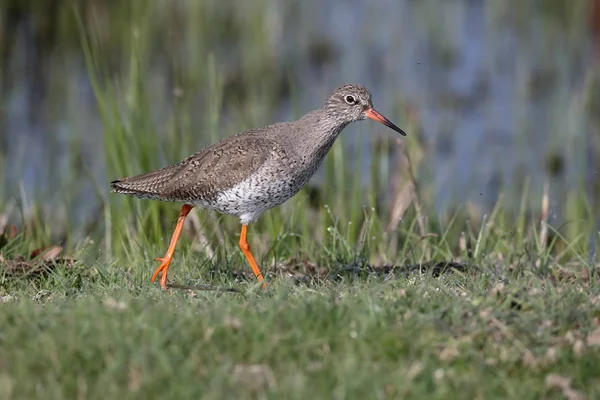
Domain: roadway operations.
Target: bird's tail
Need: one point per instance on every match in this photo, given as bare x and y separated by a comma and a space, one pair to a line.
150, 185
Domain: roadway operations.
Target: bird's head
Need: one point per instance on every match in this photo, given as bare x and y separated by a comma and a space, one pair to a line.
353, 102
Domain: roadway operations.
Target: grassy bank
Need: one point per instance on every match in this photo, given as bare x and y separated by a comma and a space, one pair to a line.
470, 334
504, 321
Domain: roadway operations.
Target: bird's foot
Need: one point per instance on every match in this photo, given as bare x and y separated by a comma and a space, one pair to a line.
163, 268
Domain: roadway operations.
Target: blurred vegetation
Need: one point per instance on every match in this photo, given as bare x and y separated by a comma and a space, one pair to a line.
224, 74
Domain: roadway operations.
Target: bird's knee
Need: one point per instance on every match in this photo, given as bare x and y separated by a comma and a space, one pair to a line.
244, 246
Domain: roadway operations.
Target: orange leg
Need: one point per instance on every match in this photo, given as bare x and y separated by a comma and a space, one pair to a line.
166, 260
246, 250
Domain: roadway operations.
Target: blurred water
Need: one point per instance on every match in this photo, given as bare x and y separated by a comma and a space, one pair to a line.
495, 92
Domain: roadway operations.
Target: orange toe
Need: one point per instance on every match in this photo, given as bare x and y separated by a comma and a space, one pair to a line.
162, 270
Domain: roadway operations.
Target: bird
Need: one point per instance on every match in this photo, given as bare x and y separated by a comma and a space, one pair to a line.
250, 172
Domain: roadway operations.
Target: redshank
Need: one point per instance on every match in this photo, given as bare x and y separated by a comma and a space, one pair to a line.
246, 174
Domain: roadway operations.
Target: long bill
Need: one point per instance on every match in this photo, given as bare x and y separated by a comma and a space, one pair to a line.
374, 115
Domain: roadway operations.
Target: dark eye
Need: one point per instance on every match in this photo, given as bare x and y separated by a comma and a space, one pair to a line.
350, 99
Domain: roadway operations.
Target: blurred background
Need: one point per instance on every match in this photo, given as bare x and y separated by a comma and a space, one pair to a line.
500, 100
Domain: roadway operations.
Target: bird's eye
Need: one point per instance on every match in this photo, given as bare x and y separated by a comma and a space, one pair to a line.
350, 99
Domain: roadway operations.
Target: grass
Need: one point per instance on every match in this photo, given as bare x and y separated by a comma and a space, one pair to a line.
359, 302
466, 335
503, 323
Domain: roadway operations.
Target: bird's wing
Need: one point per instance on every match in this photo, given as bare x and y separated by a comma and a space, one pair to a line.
204, 174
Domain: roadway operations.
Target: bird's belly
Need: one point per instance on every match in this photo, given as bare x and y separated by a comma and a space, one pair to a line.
270, 186
250, 198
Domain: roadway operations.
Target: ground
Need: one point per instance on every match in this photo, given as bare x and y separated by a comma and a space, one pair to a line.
104, 331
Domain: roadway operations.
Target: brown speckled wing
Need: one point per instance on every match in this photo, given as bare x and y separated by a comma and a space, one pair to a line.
202, 176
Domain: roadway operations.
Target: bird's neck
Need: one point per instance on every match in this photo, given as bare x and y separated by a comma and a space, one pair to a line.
319, 133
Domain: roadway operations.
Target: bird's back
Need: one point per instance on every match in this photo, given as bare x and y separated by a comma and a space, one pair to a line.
204, 175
